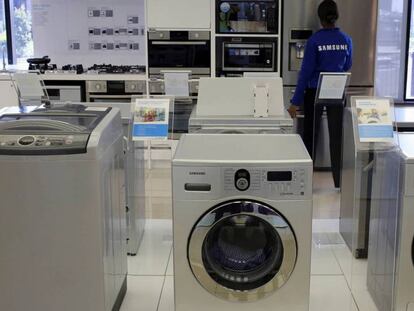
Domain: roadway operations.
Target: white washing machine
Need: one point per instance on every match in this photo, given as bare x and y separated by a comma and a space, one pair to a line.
242, 212
391, 262
218, 124
240, 106
62, 215
134, 167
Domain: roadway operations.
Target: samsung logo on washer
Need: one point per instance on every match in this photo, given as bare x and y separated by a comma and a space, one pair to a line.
197, 173
333, 47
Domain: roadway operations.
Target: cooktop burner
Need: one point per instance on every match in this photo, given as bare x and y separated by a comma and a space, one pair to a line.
113, 69
42, 68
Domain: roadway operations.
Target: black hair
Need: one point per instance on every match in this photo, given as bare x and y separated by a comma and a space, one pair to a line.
328, 12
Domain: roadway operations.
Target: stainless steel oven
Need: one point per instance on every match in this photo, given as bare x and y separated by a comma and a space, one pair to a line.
236, 55
183, 50
247, 16
65, 90
114, 91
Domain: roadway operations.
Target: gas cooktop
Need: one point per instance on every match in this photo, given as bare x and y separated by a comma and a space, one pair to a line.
95, 69
114, 69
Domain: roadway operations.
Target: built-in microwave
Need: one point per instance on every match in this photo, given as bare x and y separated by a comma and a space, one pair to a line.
247, 16
236, 55
179, 50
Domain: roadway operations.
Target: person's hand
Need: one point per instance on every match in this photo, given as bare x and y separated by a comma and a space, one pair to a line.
293, 111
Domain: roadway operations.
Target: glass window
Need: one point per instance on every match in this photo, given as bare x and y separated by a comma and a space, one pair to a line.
390, 38
3, 32
409, 93
22, 30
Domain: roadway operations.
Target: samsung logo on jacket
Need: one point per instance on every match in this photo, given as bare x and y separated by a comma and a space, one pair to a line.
333, 47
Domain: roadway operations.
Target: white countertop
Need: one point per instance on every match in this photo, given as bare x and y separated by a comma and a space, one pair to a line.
85, 77
94, 77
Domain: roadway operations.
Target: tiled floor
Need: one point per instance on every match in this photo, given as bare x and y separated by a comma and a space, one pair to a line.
334, 272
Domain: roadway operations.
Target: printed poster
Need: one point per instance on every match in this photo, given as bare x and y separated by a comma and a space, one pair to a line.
375, 120
151, 118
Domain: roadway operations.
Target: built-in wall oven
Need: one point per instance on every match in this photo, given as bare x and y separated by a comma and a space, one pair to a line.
236, 55
65, 90
247, 16
179, 50
114, 91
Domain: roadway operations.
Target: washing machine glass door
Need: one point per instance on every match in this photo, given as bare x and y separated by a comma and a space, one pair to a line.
242, 251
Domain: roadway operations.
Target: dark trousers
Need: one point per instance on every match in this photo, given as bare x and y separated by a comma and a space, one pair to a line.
335, 122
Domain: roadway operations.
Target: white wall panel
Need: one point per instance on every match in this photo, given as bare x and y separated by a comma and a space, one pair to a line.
179, 14
61, 29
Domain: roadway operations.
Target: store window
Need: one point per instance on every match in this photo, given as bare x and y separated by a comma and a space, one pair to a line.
3, 32
22, 30
409, 94
390, 38
16, 39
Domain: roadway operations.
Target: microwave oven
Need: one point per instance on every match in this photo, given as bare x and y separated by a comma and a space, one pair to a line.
237, 55
179, 50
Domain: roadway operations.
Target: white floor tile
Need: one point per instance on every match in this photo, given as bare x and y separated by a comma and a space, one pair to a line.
154, 253
335, 238
170, 268
364, 301
167, 296
324, 261
345, 259
325, 225
330, 293
143, 293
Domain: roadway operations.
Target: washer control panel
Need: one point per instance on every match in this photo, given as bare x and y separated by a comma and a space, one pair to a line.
274, 182
242, 180
43, 144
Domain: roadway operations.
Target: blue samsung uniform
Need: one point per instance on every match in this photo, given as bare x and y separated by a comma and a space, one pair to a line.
328, 50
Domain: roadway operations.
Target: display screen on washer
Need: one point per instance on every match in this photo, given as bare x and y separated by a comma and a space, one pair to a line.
279, 176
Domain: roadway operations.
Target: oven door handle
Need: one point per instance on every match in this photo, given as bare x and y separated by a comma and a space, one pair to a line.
179, 43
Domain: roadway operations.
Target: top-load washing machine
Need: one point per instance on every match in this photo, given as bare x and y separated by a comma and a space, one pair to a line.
391, 257
134, 167
62, 215
242, 214
240, 106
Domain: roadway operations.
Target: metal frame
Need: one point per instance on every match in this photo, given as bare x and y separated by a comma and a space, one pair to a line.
265, 213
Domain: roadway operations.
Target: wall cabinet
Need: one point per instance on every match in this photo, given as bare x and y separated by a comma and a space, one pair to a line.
179, 14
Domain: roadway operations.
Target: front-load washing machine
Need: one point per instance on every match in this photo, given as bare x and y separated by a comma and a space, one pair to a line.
242, 213
62, 214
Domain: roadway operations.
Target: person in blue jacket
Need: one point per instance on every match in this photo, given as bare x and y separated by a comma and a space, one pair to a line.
328, 50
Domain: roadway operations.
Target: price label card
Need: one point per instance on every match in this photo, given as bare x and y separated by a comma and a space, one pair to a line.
375, 120
151, 119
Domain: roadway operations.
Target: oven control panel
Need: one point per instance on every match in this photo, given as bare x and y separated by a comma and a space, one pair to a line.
43, 144
268, 182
